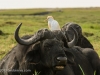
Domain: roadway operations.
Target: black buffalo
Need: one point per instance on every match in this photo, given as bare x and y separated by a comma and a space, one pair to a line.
42, 52
82, 57
83, 44
82, 41
46, 52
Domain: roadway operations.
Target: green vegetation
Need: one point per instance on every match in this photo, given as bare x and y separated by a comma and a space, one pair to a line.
36, 73
81, 69
87, 18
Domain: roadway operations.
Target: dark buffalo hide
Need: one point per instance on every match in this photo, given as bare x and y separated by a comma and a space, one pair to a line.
93, 59
42, 52
82, 41
48, 53
44, 57
85, 58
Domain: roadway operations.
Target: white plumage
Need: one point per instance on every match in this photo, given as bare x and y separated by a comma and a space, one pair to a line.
53, 24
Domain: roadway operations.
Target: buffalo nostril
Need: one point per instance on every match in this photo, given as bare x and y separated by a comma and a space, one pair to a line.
61, 58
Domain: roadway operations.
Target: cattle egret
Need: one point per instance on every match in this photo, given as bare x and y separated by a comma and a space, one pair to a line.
53, 24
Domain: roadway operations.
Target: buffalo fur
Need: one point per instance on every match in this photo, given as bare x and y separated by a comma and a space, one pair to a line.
87, 58
40, 57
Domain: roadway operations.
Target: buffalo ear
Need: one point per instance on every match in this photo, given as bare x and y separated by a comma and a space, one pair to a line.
70, 57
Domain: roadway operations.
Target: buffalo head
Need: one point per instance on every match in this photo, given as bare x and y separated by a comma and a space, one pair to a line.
51, 46
67, 28
82, 41
44, 52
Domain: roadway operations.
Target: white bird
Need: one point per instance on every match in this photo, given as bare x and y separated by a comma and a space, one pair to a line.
53, 24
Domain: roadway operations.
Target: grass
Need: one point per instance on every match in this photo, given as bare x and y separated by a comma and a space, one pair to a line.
36, 73
87, 18
81, 70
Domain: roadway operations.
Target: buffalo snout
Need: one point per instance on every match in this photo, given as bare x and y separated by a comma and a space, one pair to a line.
62, 60
61, 63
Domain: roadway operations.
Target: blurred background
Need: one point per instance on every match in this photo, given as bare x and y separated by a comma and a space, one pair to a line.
32, 14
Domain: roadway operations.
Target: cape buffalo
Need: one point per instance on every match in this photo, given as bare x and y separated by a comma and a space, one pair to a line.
42, 52
82, 41
82, 57
85, 46
46, 52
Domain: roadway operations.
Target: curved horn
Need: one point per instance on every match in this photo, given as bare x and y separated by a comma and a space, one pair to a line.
40, 35
75, 39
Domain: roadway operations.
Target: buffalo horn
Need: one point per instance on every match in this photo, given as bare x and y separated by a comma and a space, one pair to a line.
40, 35
75, 39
